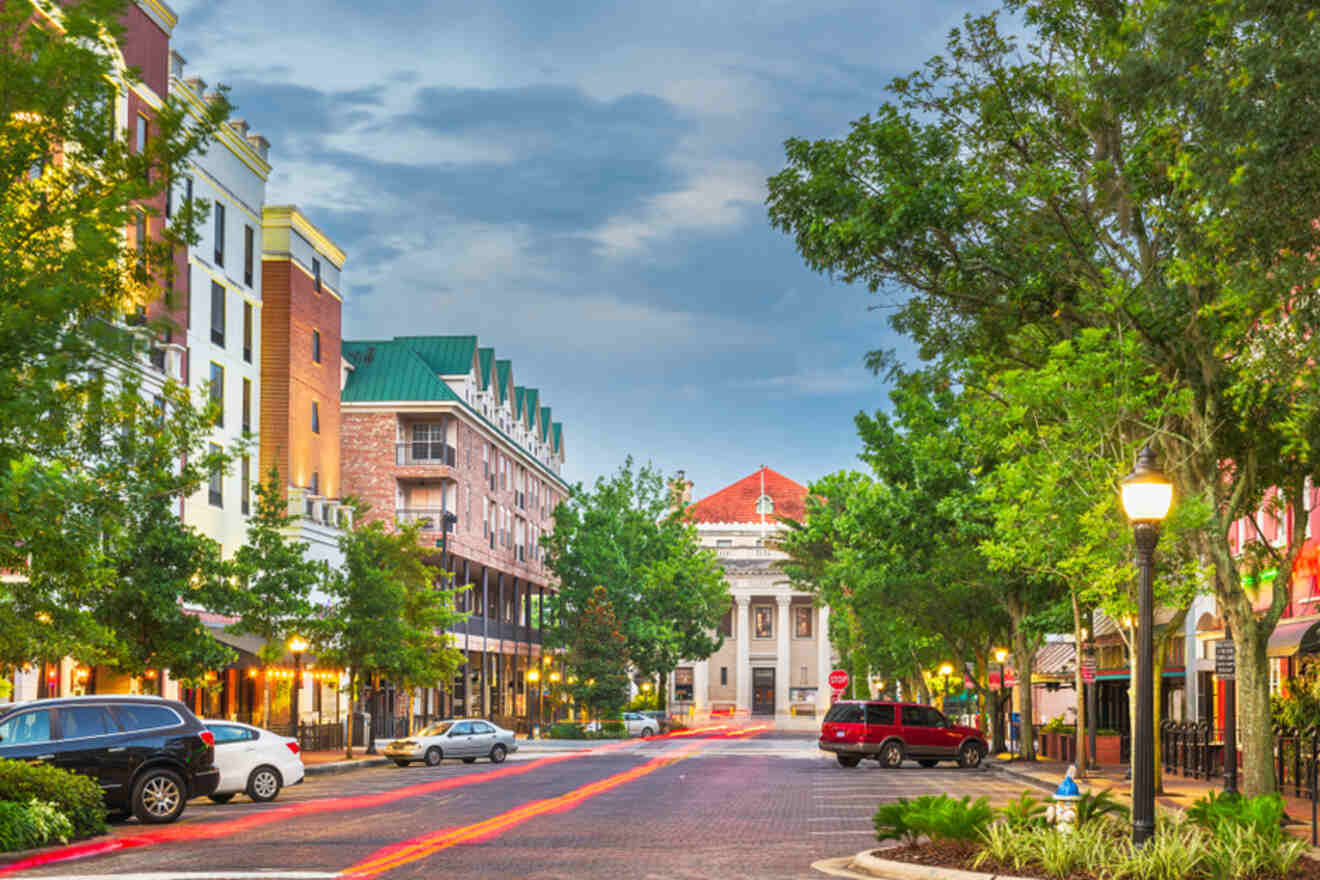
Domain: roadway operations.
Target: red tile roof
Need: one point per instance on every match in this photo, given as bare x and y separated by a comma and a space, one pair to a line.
737, 503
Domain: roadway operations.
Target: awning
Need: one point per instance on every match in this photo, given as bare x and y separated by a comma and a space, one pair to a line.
1289, 639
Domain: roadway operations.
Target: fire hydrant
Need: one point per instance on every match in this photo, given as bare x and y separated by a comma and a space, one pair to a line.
1063, 812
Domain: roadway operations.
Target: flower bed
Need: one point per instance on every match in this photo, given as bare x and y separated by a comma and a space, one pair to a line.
1219, 838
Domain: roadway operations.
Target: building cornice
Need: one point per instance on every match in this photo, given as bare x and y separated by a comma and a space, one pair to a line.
160, 13
290, 218
246, 153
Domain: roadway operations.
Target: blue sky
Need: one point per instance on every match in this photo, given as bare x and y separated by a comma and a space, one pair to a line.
582, 185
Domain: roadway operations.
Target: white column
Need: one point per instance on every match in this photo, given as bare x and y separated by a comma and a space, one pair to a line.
701, 688
782, 643
823, 660
742, 674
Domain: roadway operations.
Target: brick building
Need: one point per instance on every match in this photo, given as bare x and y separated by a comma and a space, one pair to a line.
434, 429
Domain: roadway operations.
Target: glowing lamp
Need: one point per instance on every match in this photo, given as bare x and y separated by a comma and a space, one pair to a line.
533, 675
297, 644
946, 669
252, 673
1146, 493
554, 676
1000, 656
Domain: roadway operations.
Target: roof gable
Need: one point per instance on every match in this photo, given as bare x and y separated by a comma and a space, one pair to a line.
529, 407
545, 423
486, 357
737, 503
390, 371
445, 355
503, 379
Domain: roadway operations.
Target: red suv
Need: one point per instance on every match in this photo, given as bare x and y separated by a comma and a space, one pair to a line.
890, 732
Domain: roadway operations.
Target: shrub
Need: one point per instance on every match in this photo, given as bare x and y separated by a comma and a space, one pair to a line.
1023, 812
566, 730
938, 817
1093, 806
25, 826
613, 729
77, 797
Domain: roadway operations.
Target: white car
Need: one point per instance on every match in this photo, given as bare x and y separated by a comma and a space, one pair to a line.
465, 738
254, 761
636, 723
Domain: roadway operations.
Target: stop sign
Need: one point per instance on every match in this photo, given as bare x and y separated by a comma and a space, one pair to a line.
838, 679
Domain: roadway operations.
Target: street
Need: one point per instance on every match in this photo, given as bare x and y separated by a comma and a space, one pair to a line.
761, 804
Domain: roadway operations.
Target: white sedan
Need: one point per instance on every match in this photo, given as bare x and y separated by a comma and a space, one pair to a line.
254, 761
466, 738
636, 723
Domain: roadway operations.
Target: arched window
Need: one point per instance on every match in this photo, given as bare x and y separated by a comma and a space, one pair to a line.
765, 504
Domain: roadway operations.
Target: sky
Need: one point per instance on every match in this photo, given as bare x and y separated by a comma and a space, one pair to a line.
582, 185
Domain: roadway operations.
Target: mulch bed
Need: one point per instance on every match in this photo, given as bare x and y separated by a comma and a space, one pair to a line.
952, 854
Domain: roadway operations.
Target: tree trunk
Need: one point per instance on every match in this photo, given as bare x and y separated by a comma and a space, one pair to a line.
997, 720
410, 711
1080, 688
1025, 658
352, 703
265, 699
1255, 735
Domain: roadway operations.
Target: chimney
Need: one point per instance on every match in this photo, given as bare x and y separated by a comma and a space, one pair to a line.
197, 84
680, 491
177, 63
240, 126
213, 97
260, 144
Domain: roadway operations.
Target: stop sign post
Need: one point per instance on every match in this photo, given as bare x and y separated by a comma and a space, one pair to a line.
838, 682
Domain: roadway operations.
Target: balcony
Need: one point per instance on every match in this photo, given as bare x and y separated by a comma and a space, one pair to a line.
429, 517
425, 453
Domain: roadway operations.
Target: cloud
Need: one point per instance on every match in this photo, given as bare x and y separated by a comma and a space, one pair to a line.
842, 380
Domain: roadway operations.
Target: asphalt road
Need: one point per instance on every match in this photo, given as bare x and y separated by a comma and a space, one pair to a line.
764, 805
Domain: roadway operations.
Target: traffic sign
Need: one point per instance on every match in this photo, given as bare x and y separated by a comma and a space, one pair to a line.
1010, 678
1226, 660
838, 679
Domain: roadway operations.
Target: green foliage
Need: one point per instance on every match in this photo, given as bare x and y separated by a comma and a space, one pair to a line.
1218, 812
613, 729
1058, 724
77, 797
566, 730
597, 657
1092, 806
938, 817
1024, 811
667, 591
30, 825
644, 701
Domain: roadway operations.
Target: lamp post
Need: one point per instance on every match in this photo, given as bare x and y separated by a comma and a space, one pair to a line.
1146, 496
533, 678
1092, 722
297, 645
997, 730
946, 670
554, 679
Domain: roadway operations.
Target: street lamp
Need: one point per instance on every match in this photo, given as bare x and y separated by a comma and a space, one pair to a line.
946, 670
1092, 722
1147, 496
1001, 692
533, 678
554, 679
297, 645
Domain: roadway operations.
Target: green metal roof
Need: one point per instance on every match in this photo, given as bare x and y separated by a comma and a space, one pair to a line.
518, 401
487, 357
545, 423
390, 371
529, 408
446, 355
559, 435
502, 371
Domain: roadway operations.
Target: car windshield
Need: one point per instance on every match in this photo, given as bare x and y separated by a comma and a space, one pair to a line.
437, 729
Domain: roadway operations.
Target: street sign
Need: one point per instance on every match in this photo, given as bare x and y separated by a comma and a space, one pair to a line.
1225, 660
1088, 669
839, 679
1010, 678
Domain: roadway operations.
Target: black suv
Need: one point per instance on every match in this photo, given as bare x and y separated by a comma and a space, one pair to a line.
148, 754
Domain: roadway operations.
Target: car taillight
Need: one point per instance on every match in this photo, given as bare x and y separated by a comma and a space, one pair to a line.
293, 746
208, 737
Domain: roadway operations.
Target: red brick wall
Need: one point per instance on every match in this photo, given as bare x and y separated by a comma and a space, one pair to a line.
367, 449
147, 48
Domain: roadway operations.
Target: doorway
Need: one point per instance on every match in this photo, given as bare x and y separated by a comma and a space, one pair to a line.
763, 690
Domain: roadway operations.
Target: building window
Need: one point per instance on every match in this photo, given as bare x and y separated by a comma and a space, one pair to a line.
316, 346
726, 624
142, 145
245, 486
247, 405
316, 417
247, 331
723, 542
142, 241
763, 622
248, 248
765, 504
724, 676
802, 621
316, 274
428, 443
219, 234
316, 483
218, 313
218, 391
216, 489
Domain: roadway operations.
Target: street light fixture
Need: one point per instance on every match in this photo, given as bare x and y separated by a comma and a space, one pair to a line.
1001, 695
946, 670
1147, 495
297, 644
533, 678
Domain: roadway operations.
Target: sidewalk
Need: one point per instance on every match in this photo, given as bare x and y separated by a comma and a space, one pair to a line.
1179, 791
332, 761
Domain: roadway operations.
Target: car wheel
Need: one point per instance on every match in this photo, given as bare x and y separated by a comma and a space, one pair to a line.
497, 753
434, 756
264, 784
469, 760
969, 755
402, 763
927, 762
891, 756
222, 798
848, 760
158, 796
646, 731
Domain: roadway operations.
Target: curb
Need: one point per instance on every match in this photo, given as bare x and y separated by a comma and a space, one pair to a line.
866, 866
1008, 770
336, 767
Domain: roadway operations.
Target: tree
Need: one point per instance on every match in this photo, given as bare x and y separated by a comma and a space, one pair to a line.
597, 658
667, 592
78, 524
386, 614
276, 579
1141, 170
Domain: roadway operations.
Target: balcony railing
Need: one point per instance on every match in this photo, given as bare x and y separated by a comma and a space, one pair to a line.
425, 453
429, 517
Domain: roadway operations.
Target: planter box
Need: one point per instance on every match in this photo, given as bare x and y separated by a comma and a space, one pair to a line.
1108, 750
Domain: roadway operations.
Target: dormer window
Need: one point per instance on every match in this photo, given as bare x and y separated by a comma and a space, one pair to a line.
765, 504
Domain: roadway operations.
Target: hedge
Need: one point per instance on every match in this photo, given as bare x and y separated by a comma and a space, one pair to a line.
26, 826
77, 797
566, 730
